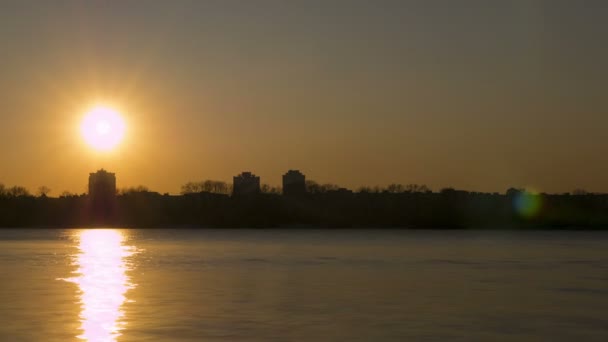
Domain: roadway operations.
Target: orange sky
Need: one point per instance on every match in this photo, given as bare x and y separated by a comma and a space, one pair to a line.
476, 95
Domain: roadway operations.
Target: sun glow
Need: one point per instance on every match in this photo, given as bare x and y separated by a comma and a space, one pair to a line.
103, 128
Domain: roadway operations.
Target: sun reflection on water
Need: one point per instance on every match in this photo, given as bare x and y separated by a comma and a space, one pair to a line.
102, 278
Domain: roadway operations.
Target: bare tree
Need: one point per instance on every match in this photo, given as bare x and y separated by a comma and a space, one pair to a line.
511, 192
207, 186
211, 186
394, 188
423, 188
220, 187
134, 190
43, 191
267, 189
415, 188
17, 191
329, 187
312, 187
190, 188
365, 189
67, 194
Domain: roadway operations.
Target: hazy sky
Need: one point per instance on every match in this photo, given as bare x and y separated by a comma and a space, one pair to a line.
475, 94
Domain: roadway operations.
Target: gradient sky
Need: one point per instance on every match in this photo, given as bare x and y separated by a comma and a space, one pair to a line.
474, 94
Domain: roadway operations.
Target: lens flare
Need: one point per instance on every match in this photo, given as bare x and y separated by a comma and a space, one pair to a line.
527, 204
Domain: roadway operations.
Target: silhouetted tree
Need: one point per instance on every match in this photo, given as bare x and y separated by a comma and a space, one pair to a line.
133, 190
513, 191
219, 187
211, 186
329, 187
312, 187
415, 188
17, 191
207, 186
365, 190
67, 194
395, 188
267, 189
191, 188
43, 191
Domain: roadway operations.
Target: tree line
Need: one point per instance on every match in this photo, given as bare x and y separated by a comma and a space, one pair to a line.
224, 188
210, 204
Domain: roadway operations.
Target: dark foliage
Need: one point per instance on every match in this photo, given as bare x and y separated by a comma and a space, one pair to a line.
326, 207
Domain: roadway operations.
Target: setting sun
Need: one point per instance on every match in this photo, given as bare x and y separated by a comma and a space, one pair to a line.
103, 128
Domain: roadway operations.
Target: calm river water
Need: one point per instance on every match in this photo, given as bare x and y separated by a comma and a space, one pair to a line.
302, 285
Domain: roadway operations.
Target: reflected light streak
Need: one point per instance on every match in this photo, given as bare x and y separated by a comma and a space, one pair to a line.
103, 282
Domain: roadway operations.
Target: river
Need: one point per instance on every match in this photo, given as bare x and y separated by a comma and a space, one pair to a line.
302, 285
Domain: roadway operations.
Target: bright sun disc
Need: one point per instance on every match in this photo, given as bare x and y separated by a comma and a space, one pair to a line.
103, 128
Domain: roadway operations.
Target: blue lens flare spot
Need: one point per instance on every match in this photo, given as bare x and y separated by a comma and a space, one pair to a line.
527, 204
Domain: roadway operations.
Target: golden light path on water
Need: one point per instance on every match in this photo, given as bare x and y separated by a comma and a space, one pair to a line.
102, 278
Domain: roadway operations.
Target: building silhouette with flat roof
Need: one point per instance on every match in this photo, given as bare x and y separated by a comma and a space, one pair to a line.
102, 184
246, 184
102, 198
294, 183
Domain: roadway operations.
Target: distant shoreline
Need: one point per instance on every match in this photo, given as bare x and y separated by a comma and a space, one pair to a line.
449, 209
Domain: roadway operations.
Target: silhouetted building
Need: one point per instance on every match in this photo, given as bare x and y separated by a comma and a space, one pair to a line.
102, 198
102, 184
246, 184
294, 183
